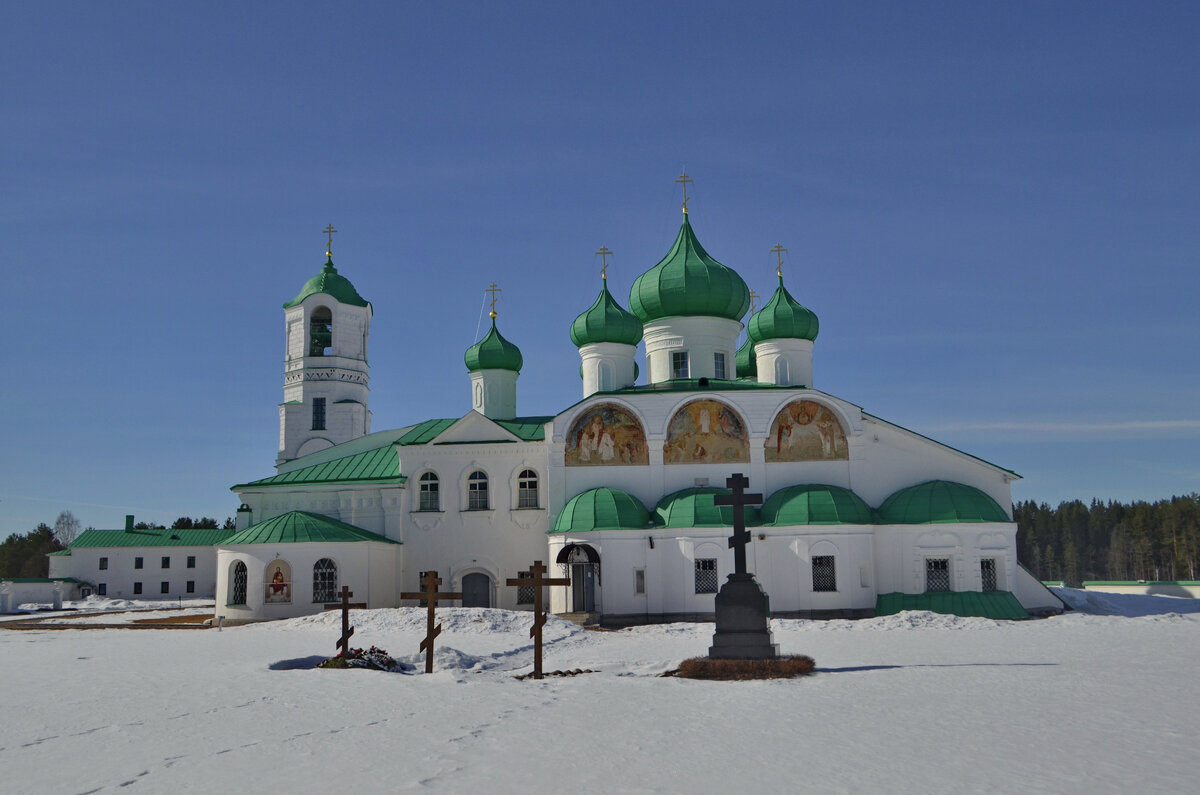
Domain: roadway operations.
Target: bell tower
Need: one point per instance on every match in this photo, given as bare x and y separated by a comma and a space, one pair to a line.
325, 377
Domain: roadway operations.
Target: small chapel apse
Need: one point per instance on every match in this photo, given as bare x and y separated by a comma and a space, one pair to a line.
706, 432
806, 431
606, 435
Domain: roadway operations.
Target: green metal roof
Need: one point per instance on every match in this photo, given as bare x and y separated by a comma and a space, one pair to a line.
493, 352
606, 321
298, 527
689, 282
65, 552
330, 282
426, 431
815, 504
379, 465
989, 604
782, 318
746, 360
940, 502
149, 538
602, 509
529, 429
693, 507
693, 385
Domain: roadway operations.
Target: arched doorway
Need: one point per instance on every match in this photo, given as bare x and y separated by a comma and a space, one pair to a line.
476, 590
584, 564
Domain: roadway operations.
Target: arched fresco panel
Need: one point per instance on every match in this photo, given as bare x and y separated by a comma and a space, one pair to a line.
806, 431
706, 432
606, 435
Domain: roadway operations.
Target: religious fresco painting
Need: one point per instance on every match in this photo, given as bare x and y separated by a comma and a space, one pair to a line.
606, 435
806, 431
279, 582
706, 432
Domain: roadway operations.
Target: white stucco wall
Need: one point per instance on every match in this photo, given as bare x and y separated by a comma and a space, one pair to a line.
121, 574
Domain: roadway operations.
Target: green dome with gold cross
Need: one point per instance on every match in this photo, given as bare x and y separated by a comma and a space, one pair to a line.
606, 321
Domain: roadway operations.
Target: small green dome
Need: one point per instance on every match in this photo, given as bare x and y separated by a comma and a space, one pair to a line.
746, 360
602, 509
330, 282
940, 502
689, 282
493, 352
606, 321
815, 503
782, 318
694, 507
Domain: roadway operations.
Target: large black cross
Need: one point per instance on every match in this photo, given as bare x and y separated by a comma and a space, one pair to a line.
431, 581
536, 581
347, 630
739, 499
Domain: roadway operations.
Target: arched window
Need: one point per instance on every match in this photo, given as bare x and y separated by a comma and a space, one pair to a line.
238, 591
320, 337
604, 379
477, 492
430, 500
527, 489
325, 581
781, 372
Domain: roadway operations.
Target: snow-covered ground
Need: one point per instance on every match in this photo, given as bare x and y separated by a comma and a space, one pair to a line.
1099, 701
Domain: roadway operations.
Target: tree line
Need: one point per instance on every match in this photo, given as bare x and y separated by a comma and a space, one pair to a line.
1110, 540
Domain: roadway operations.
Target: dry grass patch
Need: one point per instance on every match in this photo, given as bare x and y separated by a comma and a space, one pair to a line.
740, 670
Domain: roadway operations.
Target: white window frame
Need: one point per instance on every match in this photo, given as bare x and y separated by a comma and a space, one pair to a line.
528, 496
477, 486
429, 478
679, 365
720, 370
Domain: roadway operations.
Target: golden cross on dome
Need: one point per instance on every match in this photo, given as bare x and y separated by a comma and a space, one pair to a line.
753, 301
779, 251
684, 180
603, 253
329, 230
493, 289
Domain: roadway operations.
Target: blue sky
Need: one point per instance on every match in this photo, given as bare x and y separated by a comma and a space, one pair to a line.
993, 208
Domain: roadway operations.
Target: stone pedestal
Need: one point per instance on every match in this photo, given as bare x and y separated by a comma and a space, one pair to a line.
742, 629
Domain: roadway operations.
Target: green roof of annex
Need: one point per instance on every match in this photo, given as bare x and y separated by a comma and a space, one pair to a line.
331, 283
299, 527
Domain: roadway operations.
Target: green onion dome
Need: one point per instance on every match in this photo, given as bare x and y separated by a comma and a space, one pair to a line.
746, 360
689, 282
694, 507
940, 502
815, 504
782, 318
493, 352
602, 509
332, 283
606, 321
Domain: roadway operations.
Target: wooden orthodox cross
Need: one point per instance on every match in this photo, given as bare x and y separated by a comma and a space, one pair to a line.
739, 500
431, 595
537, 581
347, 630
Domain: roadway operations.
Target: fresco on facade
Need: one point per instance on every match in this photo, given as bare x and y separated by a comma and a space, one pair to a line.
806, 431
279, 582
606, 435
706, 432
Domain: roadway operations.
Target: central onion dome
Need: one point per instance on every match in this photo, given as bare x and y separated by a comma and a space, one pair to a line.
330, 282
493, 352
688, 282
606, 321
782, 318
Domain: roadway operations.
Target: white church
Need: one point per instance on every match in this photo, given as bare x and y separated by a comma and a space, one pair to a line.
859, 516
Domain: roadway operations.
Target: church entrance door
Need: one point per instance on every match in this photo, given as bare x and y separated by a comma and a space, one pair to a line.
476, 590
583, 587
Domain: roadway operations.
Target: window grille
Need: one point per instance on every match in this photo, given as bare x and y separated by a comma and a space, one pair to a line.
324, 581
706, 575
239, 584
318, 414
191, 586
477, 492
524, 592
719, 366
137, 587
937, 574
824, 573
430, 499
987, 570
165, 587
679, 364
527, 489
103, 564
166, 562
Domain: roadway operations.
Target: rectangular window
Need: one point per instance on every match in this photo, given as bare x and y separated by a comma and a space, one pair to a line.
937, 574
103, 564
679, 364
102, 588
639, 581
137, 563
987, 572
318, 414
137, 587
524, 592
191, 561
527, 489
165, 587
429, 493
191, 586
166, 562
719, 366
477, 492
706, 575
824, 573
